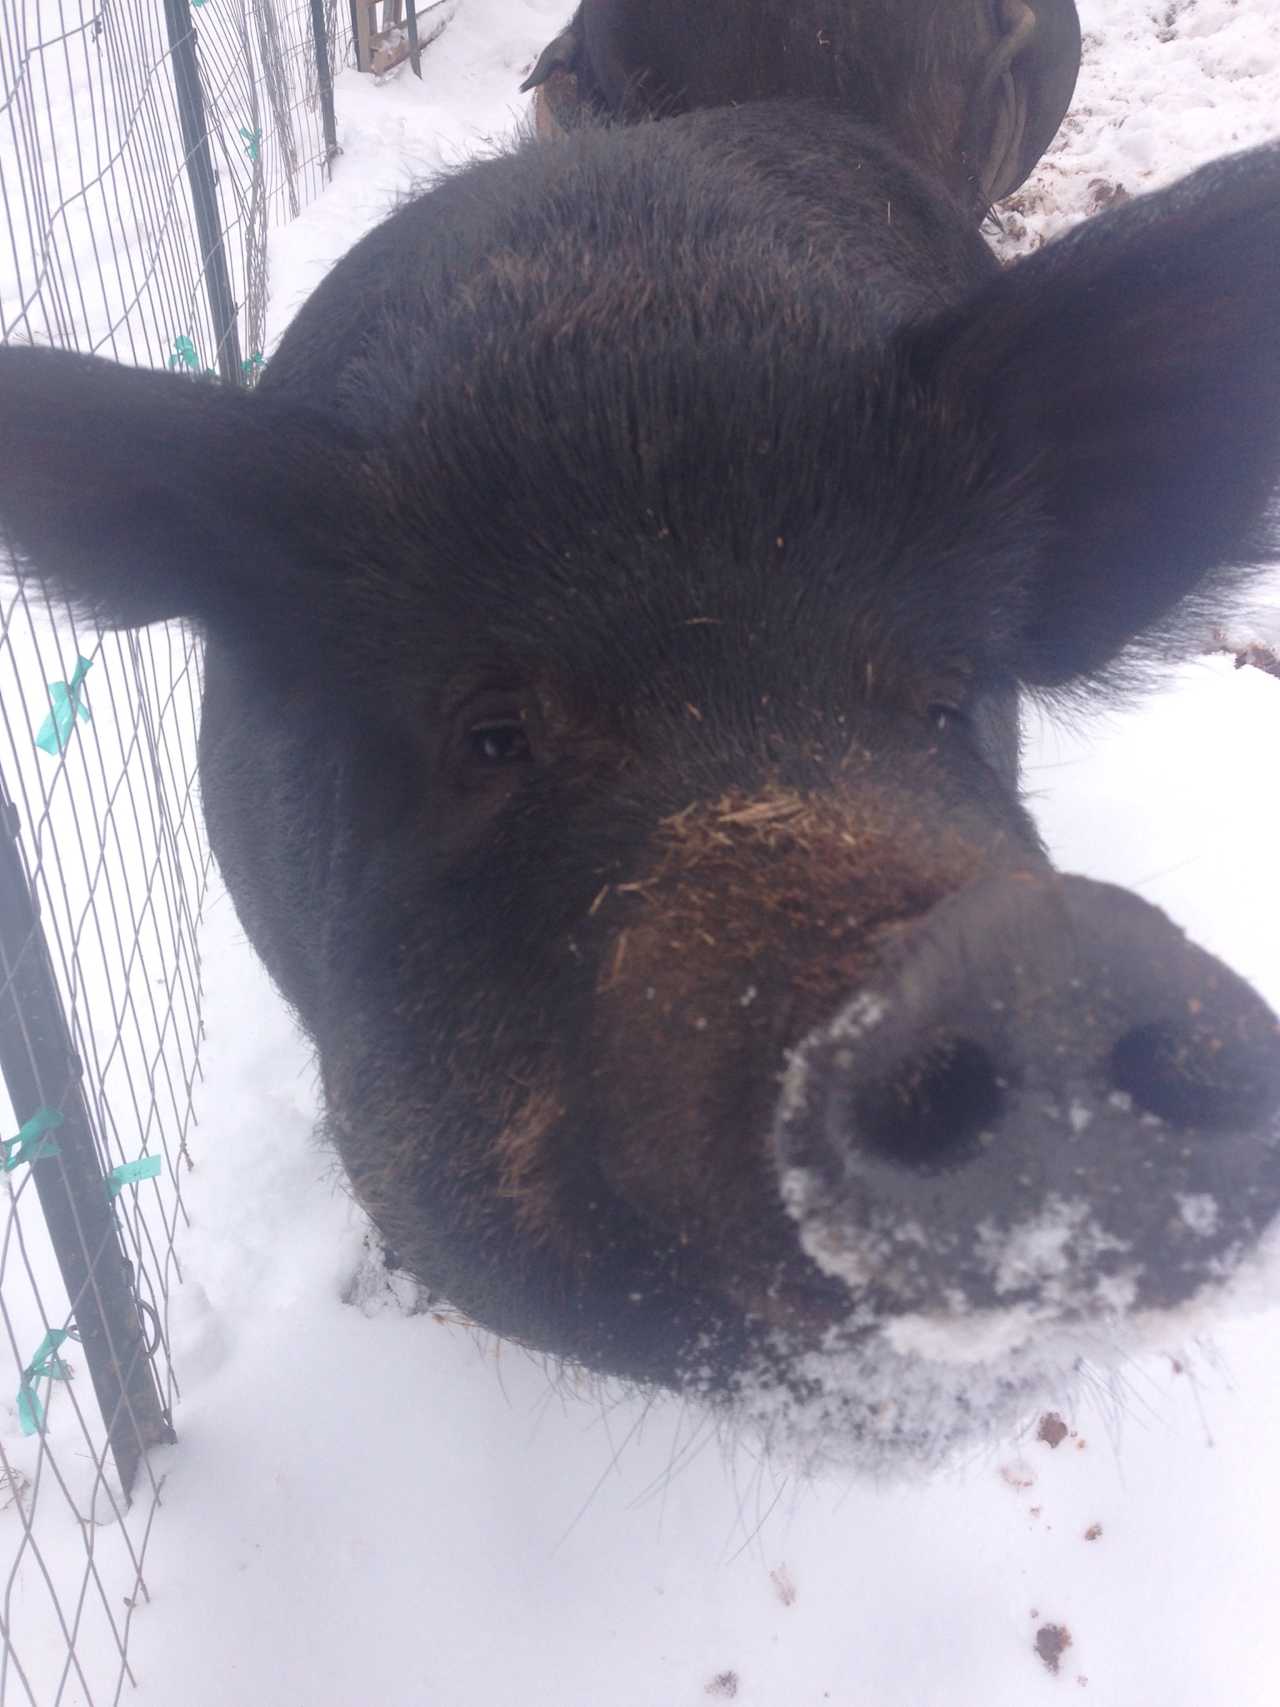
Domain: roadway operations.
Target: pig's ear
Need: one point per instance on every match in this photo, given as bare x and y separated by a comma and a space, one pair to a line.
558, 55
138, 496
1025, 90
1129, 377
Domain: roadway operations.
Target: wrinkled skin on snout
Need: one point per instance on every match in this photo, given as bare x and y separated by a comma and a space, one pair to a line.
971, 90
617, 595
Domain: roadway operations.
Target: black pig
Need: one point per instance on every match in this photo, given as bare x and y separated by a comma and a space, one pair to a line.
972, 90
617, 592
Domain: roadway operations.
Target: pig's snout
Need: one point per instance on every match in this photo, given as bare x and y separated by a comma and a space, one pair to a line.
1046, 1096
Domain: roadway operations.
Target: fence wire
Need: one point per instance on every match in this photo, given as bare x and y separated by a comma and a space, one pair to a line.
114, 857
147, 148
104, 243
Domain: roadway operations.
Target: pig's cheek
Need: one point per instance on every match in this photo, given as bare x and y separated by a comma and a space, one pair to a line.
527, 1131
684, 1092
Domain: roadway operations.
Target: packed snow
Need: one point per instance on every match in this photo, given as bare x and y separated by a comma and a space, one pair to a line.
370, 1502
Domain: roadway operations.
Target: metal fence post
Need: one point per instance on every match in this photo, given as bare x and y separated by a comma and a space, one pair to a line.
199, 162
41, 1070
324, 75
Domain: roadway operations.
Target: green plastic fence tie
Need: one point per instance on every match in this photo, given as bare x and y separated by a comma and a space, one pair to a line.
129, 1173
252, 142
31, 1145
253, 364
45, 1363
56, 729
184, 354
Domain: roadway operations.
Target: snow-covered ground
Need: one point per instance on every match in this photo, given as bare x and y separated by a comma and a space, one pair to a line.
373, 1507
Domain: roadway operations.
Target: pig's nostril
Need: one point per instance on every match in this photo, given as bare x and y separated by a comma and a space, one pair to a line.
930, 1112
1192, 1079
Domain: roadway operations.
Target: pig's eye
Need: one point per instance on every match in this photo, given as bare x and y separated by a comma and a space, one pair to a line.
499, 741
495, 733
945, 716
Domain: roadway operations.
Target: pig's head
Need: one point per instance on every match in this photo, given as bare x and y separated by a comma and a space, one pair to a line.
972, 90
610, 747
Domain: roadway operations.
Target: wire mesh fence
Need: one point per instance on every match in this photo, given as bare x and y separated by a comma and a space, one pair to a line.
102, 872
147, 147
